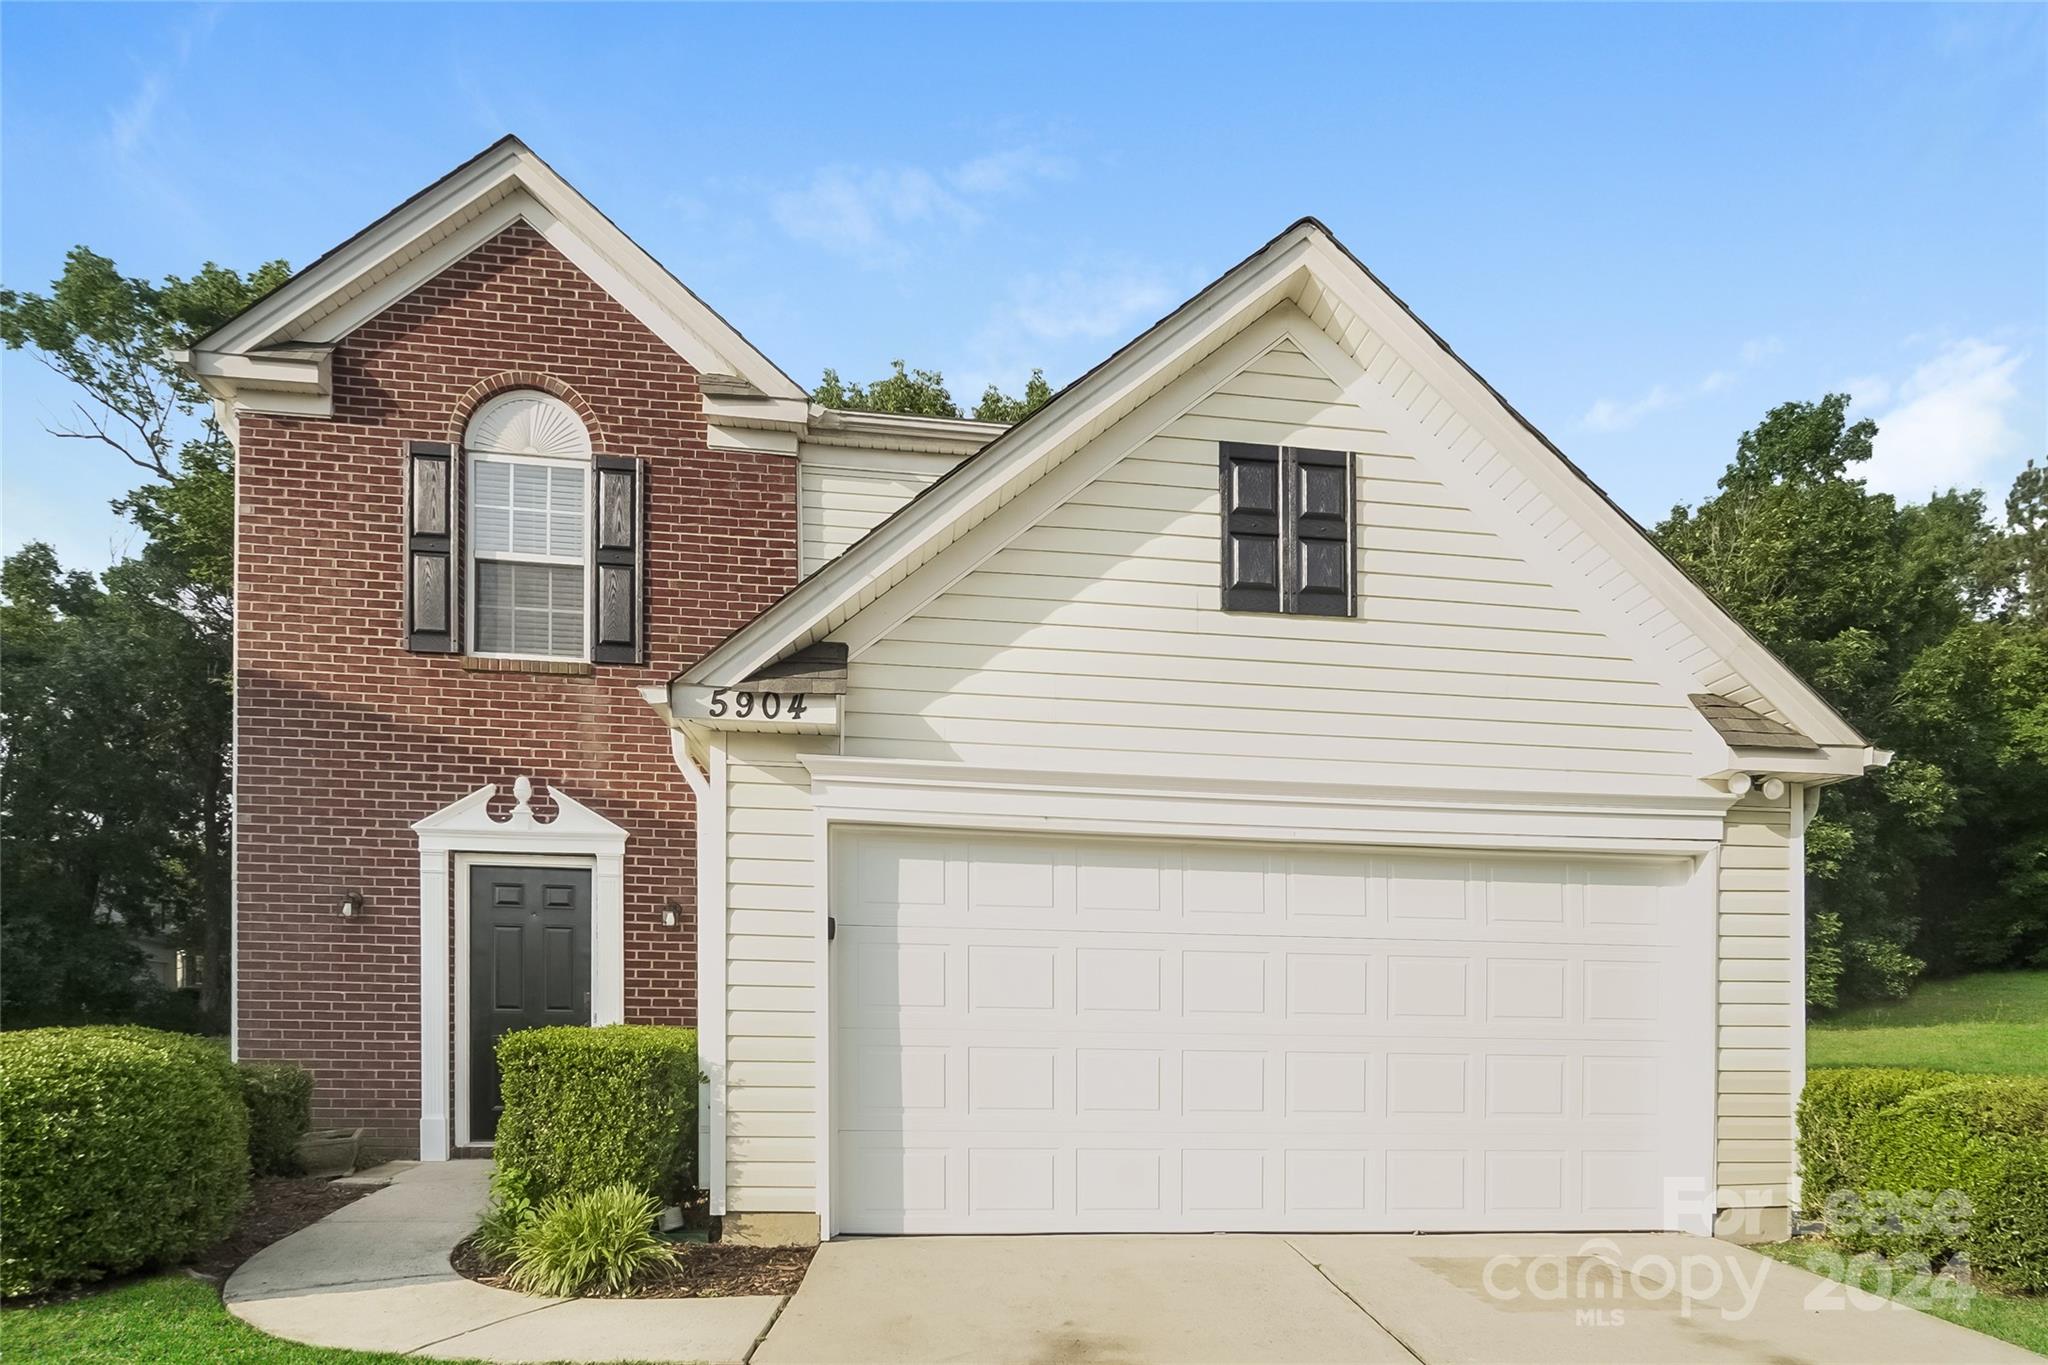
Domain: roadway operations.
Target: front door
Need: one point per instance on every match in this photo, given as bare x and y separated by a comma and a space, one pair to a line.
529, 965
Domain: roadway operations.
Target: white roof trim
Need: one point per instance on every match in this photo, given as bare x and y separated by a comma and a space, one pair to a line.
1304, 252
421, 237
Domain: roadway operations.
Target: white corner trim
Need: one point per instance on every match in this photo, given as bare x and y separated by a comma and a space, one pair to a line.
466, 827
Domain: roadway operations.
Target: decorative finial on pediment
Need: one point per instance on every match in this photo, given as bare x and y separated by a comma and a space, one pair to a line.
522, 796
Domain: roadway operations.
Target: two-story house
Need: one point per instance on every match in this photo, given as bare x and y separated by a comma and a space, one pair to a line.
1269, 787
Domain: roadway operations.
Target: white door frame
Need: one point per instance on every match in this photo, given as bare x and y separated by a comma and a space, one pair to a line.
450, 840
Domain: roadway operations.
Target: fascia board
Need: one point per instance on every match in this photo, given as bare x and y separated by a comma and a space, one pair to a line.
306, 292
591, 241
1620, 536
1067, 422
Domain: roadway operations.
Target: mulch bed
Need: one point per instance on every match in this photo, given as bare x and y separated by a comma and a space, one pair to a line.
703, 1270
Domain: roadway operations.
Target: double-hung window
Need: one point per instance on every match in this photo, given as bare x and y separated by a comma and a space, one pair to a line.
529, 467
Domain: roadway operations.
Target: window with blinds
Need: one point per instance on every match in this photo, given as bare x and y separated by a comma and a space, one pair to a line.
528, 533
529, 475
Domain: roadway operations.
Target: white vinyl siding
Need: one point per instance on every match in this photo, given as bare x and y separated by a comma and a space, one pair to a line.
846, 493
1093, 642
772, 1023
1096, 640
1588, 558
1762, 993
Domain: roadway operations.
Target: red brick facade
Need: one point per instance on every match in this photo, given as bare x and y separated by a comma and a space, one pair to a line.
345, 738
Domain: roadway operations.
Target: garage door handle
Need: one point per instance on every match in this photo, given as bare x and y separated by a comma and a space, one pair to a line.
831, 928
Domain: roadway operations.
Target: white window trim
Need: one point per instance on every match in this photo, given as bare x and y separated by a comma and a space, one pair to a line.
450, 840
472, 554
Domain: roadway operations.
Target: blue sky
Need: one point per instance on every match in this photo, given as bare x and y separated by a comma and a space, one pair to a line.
1645, 225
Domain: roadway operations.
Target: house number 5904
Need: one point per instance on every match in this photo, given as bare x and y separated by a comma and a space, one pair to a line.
768, 705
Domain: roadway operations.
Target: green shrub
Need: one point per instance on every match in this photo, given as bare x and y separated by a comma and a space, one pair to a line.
1834, 1110
279, 1097
597, 1242
1986, 1137
1893, 1145
123, 1148
591, 1107
509, 1215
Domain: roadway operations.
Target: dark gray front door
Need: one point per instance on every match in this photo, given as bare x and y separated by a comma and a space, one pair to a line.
529, 965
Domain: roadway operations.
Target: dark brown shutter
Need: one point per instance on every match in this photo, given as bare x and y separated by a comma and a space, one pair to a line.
430, 624
615, 554
1251, 527
1318, 504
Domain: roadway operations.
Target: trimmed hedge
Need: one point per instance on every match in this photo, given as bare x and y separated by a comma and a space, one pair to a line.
279, 1097
590, 1107
119, 1148
1887, 1146
1831, 1108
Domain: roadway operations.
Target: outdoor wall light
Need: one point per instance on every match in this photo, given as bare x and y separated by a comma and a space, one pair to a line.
351, 904
671, 914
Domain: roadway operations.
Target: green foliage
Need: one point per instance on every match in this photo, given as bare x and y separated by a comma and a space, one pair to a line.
508, 1216
923, 393
1834, 1110
114, 811
1922, 1139
118, 704
597, 1242
591, 1107
280, 1101
997, 406
124, 1147
1919, 623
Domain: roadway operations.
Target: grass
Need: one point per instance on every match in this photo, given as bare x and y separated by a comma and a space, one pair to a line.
2018, 1318
1994, 1022
173, 1319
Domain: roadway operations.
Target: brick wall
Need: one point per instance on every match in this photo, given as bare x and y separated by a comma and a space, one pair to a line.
346, 738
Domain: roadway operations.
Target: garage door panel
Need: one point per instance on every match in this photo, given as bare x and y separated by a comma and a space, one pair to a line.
1072, 1035
925, 977
929, 1081
1019, 882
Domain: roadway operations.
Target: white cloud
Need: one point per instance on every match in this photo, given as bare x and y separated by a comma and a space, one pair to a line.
1618, 414
1009, 171
132, 121
1060, 321
1951, 422
873, 213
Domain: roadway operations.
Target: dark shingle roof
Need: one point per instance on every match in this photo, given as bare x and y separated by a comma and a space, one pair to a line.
1747, 729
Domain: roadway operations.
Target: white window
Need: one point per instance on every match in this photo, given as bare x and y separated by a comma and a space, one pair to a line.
529, 535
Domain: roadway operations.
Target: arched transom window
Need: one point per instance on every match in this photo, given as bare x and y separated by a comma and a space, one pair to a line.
529, 534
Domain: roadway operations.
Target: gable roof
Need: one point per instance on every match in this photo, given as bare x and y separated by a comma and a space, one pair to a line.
273, 355
1307, 265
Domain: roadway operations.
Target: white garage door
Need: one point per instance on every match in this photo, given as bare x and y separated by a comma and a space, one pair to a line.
1086, 1035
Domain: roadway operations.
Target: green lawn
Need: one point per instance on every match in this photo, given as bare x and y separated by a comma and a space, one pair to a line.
1991, 1022
172, 1319
2019, 1319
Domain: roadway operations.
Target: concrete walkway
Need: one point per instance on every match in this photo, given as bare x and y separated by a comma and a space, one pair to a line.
374, 1276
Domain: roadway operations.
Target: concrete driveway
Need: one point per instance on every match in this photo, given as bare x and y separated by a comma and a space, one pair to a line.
1441, 1300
